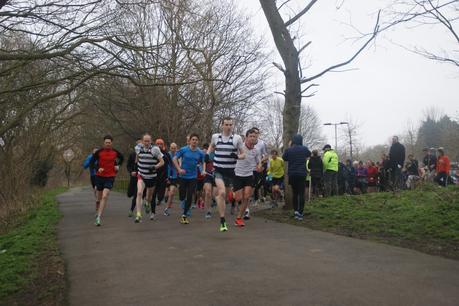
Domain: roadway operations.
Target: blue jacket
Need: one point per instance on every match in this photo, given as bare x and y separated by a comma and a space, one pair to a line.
87, 164
296, 157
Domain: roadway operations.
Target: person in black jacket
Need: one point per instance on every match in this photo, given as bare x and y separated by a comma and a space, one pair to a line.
296, 157
397, 161
132, 170
315, 166
161, 178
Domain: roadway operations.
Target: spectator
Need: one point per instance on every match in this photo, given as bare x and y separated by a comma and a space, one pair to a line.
430, 162
443, 168
315, 166
361, 177
373, 176
412, 169
351, 178
330, 162
296, 157
397, 160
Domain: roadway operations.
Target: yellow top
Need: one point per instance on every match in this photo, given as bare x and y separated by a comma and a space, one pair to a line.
276, 167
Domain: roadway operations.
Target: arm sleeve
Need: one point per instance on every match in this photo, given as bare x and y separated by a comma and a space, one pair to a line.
120, 158
87, 161
94, 159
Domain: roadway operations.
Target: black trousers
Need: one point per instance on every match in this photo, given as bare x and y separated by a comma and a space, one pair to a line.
186, 189
298, 184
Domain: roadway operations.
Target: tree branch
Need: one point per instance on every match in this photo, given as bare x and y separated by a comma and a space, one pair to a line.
298, 16
375, 32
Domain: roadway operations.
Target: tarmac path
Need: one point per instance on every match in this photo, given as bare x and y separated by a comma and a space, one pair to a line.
163, 262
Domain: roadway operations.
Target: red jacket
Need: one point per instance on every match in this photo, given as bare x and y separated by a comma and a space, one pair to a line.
372, 174
107, 159
443, 164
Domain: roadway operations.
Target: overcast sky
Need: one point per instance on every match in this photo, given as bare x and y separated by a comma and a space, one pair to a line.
390, 86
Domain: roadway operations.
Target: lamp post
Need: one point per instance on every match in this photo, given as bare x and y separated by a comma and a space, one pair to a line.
336, 133
68, 157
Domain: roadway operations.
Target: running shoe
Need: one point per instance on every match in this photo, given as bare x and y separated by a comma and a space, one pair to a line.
166, 212
97, 221
152, 216
239, 222
138, 218
146, 207
223, 227
296, 215
300, 217
184, 220
131, 214
247, 214
193, 206
208, 215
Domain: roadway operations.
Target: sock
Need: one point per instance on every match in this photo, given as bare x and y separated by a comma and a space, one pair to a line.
222, 220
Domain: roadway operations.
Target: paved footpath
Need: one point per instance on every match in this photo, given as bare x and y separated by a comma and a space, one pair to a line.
266, 263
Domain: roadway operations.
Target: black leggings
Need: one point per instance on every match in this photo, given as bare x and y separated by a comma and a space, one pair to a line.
186, 189
298, 184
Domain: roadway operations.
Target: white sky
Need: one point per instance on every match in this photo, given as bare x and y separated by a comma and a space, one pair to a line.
391, 86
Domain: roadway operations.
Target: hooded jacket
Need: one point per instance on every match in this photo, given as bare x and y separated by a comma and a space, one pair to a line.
296, 157
330, 161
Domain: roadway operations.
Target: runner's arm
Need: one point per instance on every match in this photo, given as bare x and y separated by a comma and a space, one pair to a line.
160, 164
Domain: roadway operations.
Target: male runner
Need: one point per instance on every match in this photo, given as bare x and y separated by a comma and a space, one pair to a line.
244, 179
209, 181
149, 160
226, 147
191, 156
172, 177
92, 173
276, 170
259, 178
108, 161
161, 178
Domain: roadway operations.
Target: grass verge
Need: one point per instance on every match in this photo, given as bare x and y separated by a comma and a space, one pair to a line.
426, 219
31, 267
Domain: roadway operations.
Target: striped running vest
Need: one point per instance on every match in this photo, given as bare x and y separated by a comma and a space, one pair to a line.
147, 160
223, 150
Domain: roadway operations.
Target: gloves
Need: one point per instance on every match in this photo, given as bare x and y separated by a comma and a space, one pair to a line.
233, 155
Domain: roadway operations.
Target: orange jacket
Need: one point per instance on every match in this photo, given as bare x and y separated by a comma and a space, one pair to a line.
443, 164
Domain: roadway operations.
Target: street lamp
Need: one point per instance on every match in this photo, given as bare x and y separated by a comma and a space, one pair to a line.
336, 132
68, 157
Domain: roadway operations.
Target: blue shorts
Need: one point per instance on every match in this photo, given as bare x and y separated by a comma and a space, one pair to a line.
104, 182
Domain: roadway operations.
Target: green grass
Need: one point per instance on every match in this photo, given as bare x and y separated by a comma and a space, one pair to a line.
22, 247
426, 219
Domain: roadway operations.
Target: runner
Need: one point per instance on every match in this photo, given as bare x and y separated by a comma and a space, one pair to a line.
276, 170
259, 178
92, 173
226, 147
149, 160
172, 179
161, 178
107, 161
209, 181
131, 167
244, 179
191, 156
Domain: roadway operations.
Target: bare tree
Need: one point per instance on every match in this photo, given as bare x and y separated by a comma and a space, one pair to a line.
428, 14
296, 87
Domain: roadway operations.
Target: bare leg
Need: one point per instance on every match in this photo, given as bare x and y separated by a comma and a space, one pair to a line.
220, 198
103, 201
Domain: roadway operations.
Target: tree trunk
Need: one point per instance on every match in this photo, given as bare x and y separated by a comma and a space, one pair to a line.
290, 58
